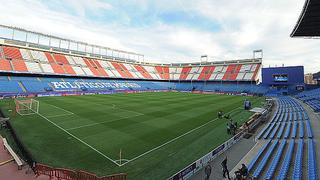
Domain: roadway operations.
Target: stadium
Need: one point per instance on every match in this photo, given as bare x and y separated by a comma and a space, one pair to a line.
75, 110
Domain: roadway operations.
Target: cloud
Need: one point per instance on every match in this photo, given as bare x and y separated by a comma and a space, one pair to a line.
222, 29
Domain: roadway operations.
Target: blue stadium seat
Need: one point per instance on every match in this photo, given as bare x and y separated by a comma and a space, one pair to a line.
286, 163
301, 129
294, 131
265, 159
271, 136
312, 165
288, 129
10, 87
309, 130
265, 136
263, 130
297, 169
281, 130
275, 161
255, 159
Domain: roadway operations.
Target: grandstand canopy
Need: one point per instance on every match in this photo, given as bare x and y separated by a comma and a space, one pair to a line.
308, 24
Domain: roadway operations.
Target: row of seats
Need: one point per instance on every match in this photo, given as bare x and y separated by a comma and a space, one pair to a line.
275, 162
32, 61
312, 162
289, 117
312, 98
297, 169
268, 159
43, 84
286, 163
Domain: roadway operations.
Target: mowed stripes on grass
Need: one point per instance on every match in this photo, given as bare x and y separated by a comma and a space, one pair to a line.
150, 129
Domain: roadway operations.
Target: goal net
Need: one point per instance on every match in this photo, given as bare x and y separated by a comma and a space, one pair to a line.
27, 106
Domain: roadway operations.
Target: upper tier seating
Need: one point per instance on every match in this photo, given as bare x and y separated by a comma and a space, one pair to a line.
5, 65
34, 61
12, 53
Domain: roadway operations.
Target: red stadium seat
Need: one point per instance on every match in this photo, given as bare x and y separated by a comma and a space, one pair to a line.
234, 74
57, 68
12, 53
143, 71
5, 65
94, 71
97, 64
68, 69
60, 59
206, 73
184, 73
256, 72
103, 72
229, 71
93, 66
163, 71
49, 57
166, 72
19, 65
128, 74
119, 69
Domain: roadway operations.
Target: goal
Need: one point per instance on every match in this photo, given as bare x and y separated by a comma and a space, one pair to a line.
27, 106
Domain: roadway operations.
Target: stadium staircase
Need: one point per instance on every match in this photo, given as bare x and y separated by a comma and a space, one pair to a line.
288, 150
22, 87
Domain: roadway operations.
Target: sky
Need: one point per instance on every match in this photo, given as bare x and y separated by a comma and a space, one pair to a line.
173, 31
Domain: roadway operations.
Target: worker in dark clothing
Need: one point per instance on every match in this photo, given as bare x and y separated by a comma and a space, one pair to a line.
238, 175
244, 170
225, 168
207, 172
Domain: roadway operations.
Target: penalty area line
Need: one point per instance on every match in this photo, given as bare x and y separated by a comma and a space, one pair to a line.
60, 115
61, 109
75, 137
176, 138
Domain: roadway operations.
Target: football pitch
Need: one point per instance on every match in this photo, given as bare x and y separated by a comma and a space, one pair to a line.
146, 135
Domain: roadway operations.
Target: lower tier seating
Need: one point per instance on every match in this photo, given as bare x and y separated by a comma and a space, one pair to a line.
286, 135
34, 85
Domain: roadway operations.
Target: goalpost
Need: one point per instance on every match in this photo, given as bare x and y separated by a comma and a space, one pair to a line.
27, 106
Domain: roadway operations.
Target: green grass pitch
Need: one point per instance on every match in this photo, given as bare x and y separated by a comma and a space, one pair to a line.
157, 133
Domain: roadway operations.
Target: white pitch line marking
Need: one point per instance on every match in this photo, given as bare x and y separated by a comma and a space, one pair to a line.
103, 122
174, 139
99, 152
114, 106
60, 115
61, 109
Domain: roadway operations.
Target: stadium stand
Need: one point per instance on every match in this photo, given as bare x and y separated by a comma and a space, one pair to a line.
224, 77
312, 98
289, 118
36, 61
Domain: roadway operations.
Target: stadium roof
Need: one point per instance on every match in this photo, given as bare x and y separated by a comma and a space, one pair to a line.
308, 24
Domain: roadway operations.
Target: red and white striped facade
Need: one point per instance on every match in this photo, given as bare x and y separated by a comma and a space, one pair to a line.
14, 59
